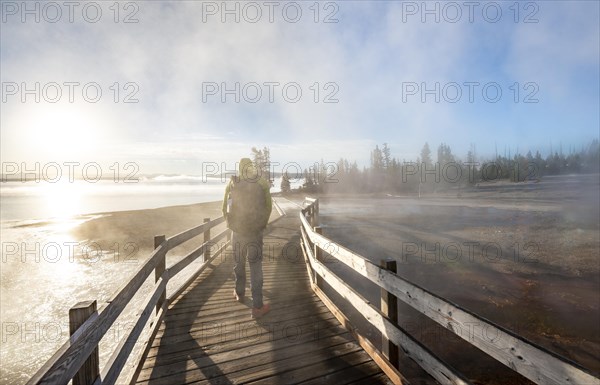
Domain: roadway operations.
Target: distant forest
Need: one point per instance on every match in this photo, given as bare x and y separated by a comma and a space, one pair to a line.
386, 174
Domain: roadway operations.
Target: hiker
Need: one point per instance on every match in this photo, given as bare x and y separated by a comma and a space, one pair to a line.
247, 207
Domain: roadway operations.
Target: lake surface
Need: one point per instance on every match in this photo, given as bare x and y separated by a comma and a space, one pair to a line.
45, 200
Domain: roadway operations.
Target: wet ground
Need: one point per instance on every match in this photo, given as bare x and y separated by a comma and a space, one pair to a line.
525, 256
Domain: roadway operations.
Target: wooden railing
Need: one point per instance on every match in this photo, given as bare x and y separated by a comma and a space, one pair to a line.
77, 359
530, 360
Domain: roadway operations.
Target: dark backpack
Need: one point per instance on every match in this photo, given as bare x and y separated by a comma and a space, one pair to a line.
248, 206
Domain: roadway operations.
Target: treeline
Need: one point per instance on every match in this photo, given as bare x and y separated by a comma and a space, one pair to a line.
262, 162
387, 174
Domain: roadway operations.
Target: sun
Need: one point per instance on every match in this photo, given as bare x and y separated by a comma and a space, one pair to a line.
63, 199
61, 131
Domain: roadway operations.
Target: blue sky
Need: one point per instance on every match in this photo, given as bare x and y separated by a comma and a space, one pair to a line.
369, 57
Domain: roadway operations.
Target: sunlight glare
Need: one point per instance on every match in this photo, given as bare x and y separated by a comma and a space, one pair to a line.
62, 131
63, 199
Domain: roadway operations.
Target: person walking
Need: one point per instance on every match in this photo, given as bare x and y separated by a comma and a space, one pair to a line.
247, 207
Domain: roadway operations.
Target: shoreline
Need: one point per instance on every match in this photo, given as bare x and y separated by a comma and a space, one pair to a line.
140, 226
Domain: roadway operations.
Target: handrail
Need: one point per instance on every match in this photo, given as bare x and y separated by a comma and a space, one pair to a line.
436, 367
186, 235
74, 353
530, 360
119, 357
185, 261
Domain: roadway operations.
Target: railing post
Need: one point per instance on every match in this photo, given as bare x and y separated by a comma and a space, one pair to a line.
318, 255
90, 369
207, 239
316, 213
389, 308
159, 270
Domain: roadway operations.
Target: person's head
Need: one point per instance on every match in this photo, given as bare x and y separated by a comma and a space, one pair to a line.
246, 169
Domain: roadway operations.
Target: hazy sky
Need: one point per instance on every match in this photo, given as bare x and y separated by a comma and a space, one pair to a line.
372, 61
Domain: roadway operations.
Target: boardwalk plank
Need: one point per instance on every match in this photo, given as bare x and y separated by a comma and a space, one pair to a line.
247, 362
202, 328
231, 341
274, 372
379, 378
347, 358
232, 347
214, 306
365, 371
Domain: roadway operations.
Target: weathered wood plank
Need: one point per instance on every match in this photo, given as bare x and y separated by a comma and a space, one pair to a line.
228, 311
181, 288
191, 257
339, 361
230, 349
214, 342
252, 358
186, 235
389, 308
237, 316
239, 319
262, 371
90, 370
365, 370
121, 353
211, 303
376, 379
159, 270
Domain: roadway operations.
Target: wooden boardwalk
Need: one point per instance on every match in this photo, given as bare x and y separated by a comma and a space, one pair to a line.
202, 335
207, 337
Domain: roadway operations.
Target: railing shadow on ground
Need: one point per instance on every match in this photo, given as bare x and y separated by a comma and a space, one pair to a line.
169, 367
314, 336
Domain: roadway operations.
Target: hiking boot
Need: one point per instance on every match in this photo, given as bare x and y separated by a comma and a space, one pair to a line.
259, 312
239, 298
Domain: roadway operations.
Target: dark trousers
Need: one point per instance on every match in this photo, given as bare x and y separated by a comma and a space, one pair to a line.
248, 247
